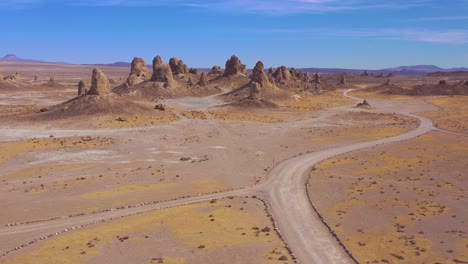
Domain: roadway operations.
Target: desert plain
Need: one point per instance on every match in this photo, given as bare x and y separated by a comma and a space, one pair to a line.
166, 164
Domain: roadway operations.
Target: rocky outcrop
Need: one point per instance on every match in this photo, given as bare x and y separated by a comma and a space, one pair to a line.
364, 104
304, 76
133, 80
161, 71
293, 73
177, 66
343, 79
442, 82
193, 71
51, 81
234, 66
254, 92
173, 64
216, 70
317, 78
259, 76
282, 74
270, 71
181, 68
99, 83
14, 77
139, 68
203, 79
36, 78
365, 73
81, 88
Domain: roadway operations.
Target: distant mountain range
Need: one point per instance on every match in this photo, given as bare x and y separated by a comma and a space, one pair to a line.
402, 70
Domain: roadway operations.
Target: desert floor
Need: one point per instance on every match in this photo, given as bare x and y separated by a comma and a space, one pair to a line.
150, 189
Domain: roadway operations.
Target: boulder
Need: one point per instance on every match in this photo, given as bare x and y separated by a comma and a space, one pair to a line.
259, 76
282, 74
203, 79
160, 107
81, 88
216, 70
234, 66
99, 83
139, 68
161, 71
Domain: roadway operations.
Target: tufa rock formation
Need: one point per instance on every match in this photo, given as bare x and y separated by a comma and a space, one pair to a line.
216, 70
259, 76
270, 71
254, 91
99, 83
14, 77
343, 79
51, 81
181, 68
81, 88
161, 71
234, 66
133, 80
364, 104
173, 64
317, 78
177, 66
365, 73
203, 79
294, 73
282, 74
193, 71
36, 78
139, 68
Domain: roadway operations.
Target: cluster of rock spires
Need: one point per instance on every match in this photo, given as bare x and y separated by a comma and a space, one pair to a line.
99, 84
234, 66
14, 77
178, 66
216, 70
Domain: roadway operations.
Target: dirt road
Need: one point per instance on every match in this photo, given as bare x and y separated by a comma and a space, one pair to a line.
285, 193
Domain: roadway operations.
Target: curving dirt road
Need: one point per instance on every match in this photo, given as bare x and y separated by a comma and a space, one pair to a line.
302, 228
285, 193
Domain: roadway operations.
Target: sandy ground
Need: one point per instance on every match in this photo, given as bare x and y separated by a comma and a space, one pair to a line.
200, 149
402, 205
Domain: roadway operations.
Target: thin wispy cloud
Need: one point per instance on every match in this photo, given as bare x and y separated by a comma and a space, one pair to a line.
456, 37
268, 7
444, 18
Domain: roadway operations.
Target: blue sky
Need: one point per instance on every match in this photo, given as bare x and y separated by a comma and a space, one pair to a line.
369, 34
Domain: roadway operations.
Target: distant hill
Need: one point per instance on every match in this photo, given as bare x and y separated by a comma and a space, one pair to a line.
401, 70
14, 58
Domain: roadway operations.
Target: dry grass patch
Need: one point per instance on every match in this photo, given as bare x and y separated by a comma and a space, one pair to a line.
310, 103
10, 149
398, 203
205, 228
453, 113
